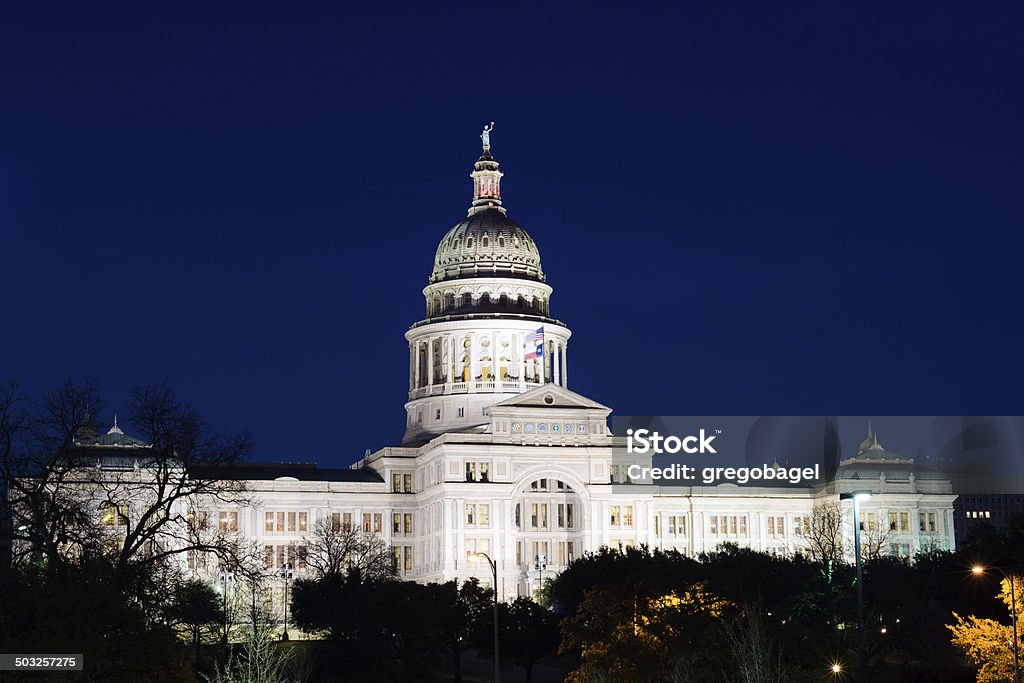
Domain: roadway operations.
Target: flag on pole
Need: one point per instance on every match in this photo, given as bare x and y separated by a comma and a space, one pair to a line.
535, 344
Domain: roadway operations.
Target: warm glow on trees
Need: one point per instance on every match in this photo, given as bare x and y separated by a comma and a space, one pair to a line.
988, 643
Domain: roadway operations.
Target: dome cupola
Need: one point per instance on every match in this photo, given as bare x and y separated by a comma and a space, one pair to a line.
487, 243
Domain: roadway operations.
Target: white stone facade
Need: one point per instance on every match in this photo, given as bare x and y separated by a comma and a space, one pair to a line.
500, 457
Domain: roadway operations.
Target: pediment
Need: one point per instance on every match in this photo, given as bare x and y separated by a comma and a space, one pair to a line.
549, 396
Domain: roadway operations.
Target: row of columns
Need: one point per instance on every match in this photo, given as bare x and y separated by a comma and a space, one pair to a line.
553, 364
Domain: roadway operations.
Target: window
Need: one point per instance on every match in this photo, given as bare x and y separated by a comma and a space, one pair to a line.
197, 519
571, 524
892, 522
534, 519
407, 525
904, 521
561, 516
484, 470
396, 483
377, 522
627, 515
771, 526
228, 521
303, 522
335, 521
367, 523
396, 522
743, 526
470, 514
470, 471
408, 558
114, 515
462, 412
268, 524
485, 515
346, 521
437, 414
615, 515
713, 524
407, 482
291, 521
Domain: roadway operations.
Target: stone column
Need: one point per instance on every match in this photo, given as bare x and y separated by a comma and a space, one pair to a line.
416, 366
520, 342
555, 364
565, 367
430, 364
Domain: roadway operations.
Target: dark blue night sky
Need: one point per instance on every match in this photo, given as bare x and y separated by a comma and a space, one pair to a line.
743, 210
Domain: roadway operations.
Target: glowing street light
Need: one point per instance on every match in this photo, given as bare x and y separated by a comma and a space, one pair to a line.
979, 569
475, 557
862, 664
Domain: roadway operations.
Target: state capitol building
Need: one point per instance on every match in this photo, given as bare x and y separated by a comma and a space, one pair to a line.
500, 457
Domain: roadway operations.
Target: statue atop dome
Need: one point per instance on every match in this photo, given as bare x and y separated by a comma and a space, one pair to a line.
485, 136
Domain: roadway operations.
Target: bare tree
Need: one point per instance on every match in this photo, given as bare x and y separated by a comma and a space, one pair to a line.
874, 540
335, 550
135, 507
825, 536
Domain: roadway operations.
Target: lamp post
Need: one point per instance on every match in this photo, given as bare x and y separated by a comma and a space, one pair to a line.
542, 564
862, 661
978, 569
225, 575
286, 574
494, 571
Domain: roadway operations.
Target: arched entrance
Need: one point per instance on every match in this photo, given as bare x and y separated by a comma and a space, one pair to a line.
549, 523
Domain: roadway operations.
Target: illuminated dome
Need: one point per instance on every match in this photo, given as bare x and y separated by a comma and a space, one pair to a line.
487, 244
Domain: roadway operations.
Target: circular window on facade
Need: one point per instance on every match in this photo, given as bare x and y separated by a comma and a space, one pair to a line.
568, 427
581, 428
542, 427
529, 427
517, 426
555, 427
549, 398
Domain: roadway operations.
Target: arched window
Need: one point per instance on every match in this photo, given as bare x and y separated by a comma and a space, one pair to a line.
503, 302
449, 302
501, 241
485, 299
483, 241
467, 300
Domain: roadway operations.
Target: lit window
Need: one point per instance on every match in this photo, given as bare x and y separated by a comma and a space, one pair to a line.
615, 515
407, 482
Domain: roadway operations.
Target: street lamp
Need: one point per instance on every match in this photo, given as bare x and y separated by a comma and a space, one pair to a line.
542, 564
978, 569
862, 662
225, 575
286, 574
474, 556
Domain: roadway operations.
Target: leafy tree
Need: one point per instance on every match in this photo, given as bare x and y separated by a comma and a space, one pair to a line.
637, 633
989, 643
196, 607
529, 633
